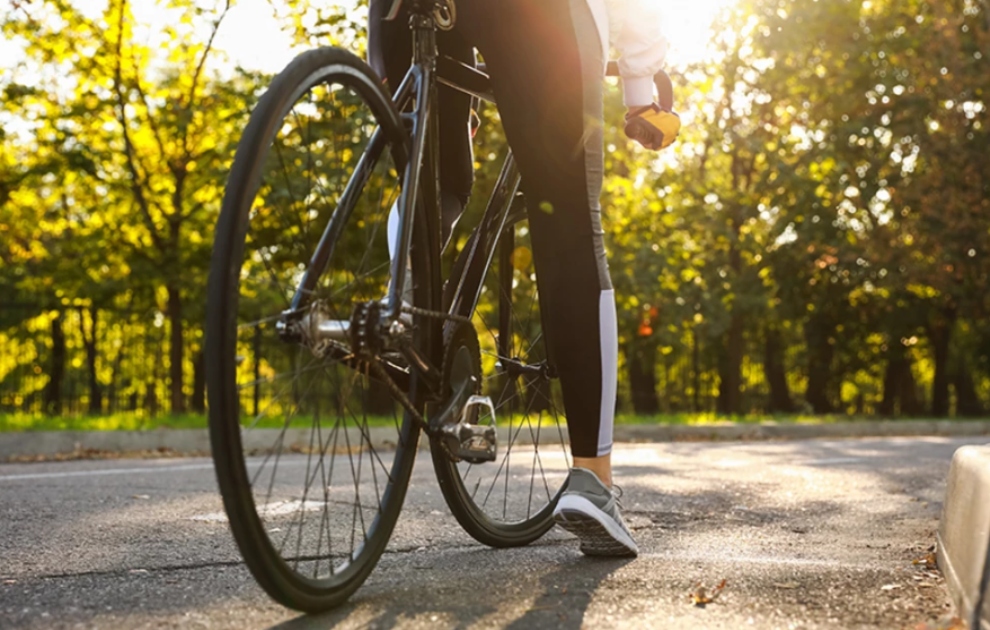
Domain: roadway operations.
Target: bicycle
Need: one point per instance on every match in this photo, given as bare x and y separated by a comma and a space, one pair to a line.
329, 297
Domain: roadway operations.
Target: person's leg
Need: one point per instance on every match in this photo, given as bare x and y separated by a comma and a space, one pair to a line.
390, 53
546, 65
601, 466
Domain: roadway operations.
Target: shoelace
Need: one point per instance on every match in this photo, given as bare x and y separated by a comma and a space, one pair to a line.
617, 493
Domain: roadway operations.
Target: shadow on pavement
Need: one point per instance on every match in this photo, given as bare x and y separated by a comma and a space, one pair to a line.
559, 597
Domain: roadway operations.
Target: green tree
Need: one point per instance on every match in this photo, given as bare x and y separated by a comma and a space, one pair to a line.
145, 132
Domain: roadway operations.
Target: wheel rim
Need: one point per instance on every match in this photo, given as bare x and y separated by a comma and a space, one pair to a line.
324, 445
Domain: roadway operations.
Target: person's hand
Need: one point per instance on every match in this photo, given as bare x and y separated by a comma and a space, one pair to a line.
652, 126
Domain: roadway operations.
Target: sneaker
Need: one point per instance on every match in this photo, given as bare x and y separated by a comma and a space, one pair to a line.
590, 511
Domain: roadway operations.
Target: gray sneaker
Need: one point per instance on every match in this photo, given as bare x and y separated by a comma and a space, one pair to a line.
590, 511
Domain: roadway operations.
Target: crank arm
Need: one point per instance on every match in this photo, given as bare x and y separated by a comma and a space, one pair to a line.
448, 415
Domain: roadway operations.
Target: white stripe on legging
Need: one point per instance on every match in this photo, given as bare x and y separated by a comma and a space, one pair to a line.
609, 335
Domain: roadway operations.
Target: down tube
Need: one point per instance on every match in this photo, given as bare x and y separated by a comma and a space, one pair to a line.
483, 245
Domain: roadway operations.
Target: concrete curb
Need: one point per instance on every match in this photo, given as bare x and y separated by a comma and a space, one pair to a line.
964, 530
196, 441
876, 428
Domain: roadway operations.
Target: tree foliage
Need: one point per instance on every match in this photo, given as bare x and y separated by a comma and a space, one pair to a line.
818, 239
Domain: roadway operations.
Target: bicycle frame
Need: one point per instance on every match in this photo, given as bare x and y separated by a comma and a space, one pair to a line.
416, 99
428, 70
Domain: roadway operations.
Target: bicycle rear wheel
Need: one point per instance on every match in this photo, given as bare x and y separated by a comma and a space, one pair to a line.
312, 452
509, 502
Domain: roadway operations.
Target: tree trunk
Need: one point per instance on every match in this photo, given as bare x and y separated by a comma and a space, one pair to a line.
910, 405
112, 403
695, 371
940, 333
198, 402
151, 402
175, 350
730, 368
89, 343
537, 395
968, 403
820, 352
52, 399
892, 379
641, 361
379, 401
776, 375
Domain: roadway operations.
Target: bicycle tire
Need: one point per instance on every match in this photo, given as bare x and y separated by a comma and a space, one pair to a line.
482, 522
233, 292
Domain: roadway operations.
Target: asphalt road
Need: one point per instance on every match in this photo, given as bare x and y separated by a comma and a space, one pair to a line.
815, 534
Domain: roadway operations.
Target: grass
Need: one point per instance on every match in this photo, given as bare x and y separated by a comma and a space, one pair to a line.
113, 422
139, 422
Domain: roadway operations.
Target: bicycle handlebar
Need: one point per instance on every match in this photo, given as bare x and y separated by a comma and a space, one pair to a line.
665, 89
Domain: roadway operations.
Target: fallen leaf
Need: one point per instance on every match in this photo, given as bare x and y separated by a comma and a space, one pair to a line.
928, 560
701, 596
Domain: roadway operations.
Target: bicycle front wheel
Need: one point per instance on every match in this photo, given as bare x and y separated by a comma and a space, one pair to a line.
313, 452
510, 502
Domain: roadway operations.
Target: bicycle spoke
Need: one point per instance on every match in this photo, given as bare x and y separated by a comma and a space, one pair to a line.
278, 451
366, 434
302, 504
503, 465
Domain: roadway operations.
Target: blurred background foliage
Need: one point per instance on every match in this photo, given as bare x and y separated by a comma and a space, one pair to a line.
818, 241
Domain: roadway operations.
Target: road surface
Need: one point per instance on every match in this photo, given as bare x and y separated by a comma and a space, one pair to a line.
806, 534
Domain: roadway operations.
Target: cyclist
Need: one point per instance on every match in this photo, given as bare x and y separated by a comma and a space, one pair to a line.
546, 59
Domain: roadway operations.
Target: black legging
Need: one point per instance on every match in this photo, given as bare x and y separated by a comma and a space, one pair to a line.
546, 66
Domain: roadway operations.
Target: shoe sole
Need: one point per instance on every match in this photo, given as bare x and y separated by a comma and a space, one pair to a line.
599, 534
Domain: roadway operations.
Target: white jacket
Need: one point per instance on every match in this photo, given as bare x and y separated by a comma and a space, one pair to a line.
633, 27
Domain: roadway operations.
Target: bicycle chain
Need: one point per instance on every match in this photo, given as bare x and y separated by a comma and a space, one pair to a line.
422, 312
398, 393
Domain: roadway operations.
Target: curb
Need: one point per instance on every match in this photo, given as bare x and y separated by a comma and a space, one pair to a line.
964, 532
69, 444
769, 431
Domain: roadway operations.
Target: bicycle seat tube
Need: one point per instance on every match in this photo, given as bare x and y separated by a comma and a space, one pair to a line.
421, 181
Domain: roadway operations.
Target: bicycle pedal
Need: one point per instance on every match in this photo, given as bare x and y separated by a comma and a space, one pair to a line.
469, 441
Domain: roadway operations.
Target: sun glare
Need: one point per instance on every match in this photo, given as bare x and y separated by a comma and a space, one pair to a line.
688, 27
250, 24
252, 38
